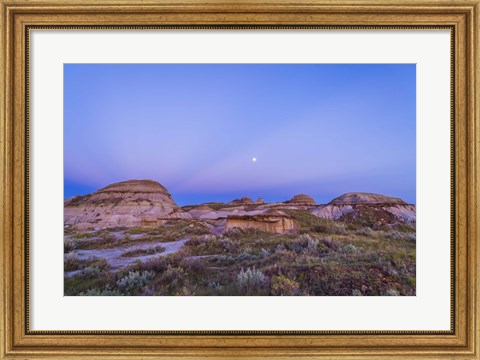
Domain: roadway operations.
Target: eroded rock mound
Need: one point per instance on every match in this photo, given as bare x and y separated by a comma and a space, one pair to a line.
136, 186
126, 204
302, 199
201, 210
273, 221
333, 212
368, 209
365, 198
243, 201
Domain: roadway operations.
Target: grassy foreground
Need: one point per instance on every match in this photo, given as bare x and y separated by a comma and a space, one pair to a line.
322, 258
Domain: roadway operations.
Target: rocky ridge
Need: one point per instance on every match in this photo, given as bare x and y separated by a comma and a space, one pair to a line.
148, 203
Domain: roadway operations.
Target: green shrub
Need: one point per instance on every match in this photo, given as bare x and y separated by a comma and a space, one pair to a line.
246, 255
69, 244
134, 282
331, 244
103, 240
365, 231
155, 263
392, 292
311, 223
350, 249
84, 235
211, 244
90, 272
173, 274
173, 280
104, 292
394, 235
95, 269
264, 253
283, 286
71, 262
356, 292
280, 247
251, 281
216, 287
338, 229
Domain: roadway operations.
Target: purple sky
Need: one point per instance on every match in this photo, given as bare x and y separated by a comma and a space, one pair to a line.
318, 129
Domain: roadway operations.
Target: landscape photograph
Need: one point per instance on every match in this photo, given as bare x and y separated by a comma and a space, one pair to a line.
239, 180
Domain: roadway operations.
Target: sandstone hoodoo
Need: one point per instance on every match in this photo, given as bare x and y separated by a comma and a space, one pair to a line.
128, 203
374, 209
272, 221
302, 199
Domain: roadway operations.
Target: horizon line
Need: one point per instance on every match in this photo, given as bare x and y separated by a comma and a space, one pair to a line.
237, 197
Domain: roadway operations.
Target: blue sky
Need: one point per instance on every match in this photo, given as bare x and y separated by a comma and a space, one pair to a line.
317, 129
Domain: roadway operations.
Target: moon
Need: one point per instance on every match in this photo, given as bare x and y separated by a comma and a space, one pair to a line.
254, 159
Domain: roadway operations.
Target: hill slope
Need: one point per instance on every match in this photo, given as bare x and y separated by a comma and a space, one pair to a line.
127, 203
368, 209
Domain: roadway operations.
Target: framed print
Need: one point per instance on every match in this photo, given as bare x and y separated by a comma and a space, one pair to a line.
239, 179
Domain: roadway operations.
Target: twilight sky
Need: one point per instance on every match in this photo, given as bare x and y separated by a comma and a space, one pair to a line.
318, 129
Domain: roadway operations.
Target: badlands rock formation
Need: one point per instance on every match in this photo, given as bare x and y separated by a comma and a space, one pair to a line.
273, 221
365, 198
199, 211
148, 203
126, 204
243, 201
352, 206
302, 199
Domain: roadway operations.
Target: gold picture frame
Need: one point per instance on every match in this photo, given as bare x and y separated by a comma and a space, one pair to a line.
19, 17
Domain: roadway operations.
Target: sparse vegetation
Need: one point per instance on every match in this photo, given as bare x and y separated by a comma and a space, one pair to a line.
251, 282
323, 257
73, 263
148, 251
107, 239
135, 282
281, 285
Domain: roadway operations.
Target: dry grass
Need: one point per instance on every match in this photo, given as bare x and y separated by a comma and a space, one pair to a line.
322, 258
